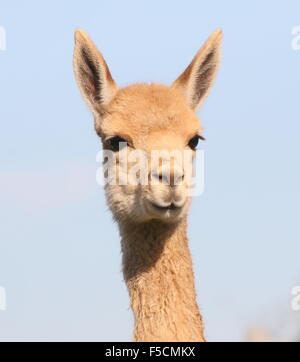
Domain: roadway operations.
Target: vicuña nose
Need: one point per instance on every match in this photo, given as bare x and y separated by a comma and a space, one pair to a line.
168, 176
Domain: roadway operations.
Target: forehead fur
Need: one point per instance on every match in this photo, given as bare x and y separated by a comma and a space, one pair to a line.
142, 109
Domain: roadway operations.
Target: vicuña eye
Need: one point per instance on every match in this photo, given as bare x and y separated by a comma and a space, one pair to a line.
117, 143
193, 143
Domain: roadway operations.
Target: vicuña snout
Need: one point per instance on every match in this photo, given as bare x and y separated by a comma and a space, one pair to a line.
167, 194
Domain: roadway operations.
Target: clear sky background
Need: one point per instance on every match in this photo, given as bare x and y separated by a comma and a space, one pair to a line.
59, 249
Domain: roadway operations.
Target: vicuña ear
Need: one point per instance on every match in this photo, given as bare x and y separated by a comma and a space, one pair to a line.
195, 82
92, 74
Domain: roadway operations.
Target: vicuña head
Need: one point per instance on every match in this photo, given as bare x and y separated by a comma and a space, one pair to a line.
151, 118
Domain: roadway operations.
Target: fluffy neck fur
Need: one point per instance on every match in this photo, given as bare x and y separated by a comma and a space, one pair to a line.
157, 268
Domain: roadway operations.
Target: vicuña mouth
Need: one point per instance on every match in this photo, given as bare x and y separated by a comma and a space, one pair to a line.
166, 208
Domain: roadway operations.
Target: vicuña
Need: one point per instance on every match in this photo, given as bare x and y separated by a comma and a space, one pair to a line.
152, 218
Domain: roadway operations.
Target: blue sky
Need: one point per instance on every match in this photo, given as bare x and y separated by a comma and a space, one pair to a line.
60, 250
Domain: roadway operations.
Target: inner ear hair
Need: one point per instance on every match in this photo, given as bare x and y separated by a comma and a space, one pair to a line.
92, 73
197, 79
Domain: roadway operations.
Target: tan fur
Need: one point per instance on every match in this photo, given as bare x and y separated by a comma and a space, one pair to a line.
158, 272
157, 264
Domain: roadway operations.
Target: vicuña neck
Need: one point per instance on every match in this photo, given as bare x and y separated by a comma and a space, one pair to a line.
158, 272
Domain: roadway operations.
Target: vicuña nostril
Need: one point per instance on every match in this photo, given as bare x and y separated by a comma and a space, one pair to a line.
159, 177
167, 178
177, 179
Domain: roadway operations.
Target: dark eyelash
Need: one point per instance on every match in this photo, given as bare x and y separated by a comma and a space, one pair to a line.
116, 143
193, 143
